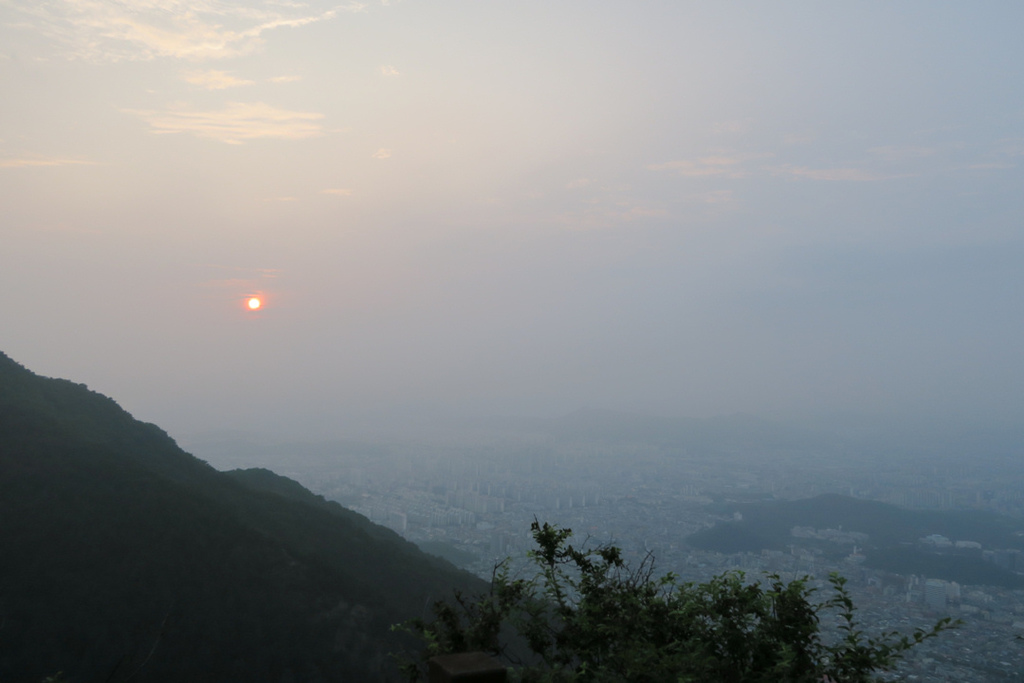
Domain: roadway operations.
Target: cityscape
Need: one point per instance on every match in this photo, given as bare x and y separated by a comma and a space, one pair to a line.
472, 499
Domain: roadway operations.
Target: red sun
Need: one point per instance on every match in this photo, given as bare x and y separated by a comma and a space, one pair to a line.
254, 303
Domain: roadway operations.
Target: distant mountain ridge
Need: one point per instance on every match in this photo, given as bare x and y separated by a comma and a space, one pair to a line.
892, 532
123, 557
862, 436
723, 433
726, 432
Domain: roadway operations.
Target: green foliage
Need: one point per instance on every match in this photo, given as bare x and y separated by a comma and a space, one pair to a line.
124, 558
587, 616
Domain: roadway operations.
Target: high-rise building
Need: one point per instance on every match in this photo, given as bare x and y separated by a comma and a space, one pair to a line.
935, 594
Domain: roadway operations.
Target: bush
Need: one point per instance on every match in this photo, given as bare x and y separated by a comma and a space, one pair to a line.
586, 616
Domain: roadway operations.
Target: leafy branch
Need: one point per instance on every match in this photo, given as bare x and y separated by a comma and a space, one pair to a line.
587, 616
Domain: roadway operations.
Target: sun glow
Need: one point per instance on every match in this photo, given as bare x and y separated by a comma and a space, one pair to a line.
254, 303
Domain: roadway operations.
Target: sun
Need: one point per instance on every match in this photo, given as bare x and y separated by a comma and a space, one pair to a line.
254, 303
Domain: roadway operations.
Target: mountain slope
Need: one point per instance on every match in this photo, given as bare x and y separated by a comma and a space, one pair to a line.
126, 558
892, 532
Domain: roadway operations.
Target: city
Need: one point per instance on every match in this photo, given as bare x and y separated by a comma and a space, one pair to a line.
472, 499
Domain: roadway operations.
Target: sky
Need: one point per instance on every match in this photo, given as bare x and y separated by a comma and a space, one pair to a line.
514, 208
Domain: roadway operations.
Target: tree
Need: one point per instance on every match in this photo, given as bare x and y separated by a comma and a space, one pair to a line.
586, 616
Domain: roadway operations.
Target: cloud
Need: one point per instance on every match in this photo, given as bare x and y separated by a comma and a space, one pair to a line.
714, 197
238, 279
605, 213
236, 123
148, 29
1002, 157
604, 217
389, 70
992, 166
33, 161
268, 272
214, 80
1013, 147
722, 166
733, 166
735, 126
230, 283
798, 138
578, 183
284, 79
253, 272
340, 191
831, 174
382, 154
897, 154
642, 212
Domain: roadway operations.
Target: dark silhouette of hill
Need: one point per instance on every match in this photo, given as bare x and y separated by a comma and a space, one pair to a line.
893, 535
124, 558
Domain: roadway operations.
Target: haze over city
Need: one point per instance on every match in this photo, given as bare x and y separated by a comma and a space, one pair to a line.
467, 209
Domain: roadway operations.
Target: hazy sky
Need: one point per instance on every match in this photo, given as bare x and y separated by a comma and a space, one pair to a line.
514, 207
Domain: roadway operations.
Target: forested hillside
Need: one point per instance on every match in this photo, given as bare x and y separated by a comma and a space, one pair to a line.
123, 557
